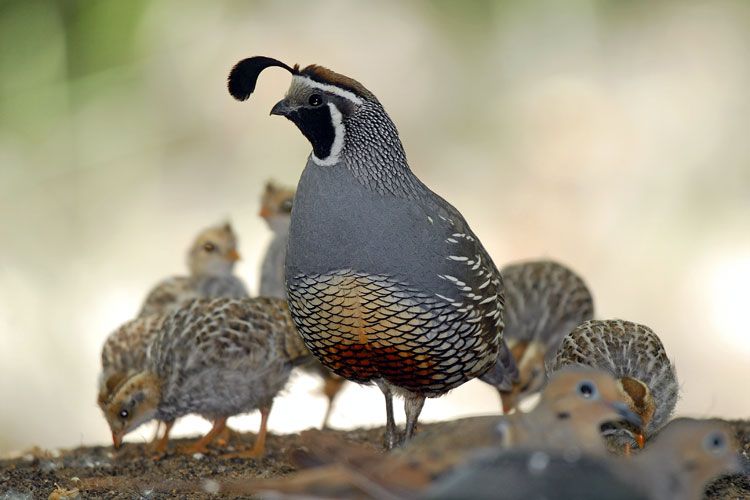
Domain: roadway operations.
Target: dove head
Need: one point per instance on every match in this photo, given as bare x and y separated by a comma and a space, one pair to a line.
688, 453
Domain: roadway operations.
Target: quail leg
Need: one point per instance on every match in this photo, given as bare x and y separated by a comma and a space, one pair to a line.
413, 407
201, 446
391, 439
160, 444
260, 442
331, 388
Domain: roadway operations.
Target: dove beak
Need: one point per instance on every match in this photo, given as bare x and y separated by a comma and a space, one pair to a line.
626, 414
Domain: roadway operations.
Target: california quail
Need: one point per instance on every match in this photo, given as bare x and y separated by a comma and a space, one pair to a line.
216, 358
123, 355
386, 281
635, 356
544, 301
276, 209
211, 261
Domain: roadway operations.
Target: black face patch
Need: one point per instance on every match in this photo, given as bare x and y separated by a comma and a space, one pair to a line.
317, 125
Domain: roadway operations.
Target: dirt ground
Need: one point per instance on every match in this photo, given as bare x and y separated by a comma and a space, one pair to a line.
102, 472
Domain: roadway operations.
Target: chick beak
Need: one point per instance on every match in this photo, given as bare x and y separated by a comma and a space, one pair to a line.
116, 440
265, 212
640, 438
626, 414
281, 108
233, 255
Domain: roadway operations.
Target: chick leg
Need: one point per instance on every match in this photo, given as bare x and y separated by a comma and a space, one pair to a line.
332, 386
160, 445
201, 446
260, 442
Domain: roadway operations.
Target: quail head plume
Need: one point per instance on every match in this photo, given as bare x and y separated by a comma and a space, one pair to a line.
387, 283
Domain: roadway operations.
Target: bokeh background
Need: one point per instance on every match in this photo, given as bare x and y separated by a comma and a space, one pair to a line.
612, 135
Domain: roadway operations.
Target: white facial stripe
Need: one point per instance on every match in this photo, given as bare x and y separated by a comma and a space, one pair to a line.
329, 88
338, 140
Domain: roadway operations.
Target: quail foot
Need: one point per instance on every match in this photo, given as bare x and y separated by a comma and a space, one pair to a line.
211, 261
387, 283
276, 209
635, 356
544, 302
216, 358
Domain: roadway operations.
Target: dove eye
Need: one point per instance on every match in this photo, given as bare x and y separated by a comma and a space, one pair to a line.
587, 389
715, 442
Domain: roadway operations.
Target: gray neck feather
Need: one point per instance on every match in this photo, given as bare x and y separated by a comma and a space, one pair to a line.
374, 154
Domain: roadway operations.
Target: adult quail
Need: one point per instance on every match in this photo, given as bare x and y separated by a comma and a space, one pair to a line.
684, 457
276, 209
568, 419
386, 281
216, 358
211, 260
635, 356
544, 301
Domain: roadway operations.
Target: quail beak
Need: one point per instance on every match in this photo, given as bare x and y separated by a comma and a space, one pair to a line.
626, 414
282, 108
116, 440
640, 438
233, 255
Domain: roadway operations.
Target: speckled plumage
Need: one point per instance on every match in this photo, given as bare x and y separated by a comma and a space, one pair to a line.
210, 274
224, 357
631, 353
544, 302
124, 352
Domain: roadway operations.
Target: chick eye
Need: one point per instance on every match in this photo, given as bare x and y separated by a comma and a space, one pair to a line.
209, 247
587, 389
315, 100
715, 442
124, 414
286, 206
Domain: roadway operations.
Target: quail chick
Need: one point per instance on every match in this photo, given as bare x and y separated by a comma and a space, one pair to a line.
123, 355
568, 418
635, 356
276, 210
684, 457
211, 261
216, 358
386, 281
544, 302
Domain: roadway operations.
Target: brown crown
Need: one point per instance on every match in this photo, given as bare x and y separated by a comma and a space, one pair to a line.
325, 75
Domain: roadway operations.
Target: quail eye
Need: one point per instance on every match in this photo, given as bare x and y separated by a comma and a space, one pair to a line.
587, 389
124, 414
715, 442
286, 206
315, 100
209, 247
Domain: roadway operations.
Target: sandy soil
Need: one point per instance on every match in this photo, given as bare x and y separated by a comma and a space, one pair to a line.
102, 472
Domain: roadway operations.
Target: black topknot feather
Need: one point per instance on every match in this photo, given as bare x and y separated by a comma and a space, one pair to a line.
244, 75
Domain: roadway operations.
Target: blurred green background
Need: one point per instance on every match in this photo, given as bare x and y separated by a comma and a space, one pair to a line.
612, 135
